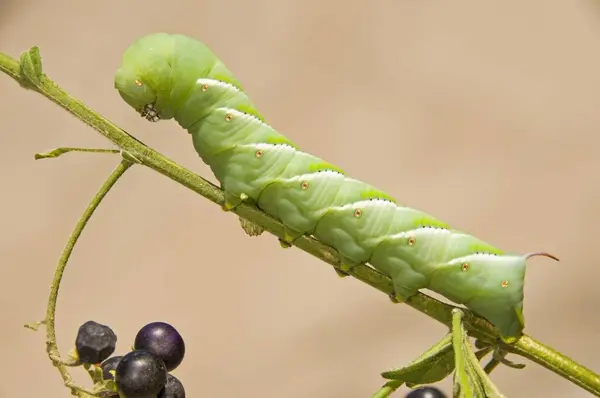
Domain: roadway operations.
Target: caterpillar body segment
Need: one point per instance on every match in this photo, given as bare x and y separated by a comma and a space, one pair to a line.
165, 76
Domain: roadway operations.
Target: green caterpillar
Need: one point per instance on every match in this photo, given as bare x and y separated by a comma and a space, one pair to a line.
166, 76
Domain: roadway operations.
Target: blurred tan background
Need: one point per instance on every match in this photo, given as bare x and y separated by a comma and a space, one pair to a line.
483, 115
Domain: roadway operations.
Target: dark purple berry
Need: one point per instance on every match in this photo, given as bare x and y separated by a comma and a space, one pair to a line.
140, 374
426, 392
95, 342
173, 388
108, 365
163, 340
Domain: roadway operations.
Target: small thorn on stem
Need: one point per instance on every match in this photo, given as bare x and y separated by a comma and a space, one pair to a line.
35, 325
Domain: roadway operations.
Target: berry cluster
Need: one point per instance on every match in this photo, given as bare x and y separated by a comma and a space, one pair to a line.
426, 392
145, 371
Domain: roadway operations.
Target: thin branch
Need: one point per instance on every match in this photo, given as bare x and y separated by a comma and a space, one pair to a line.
560, 364
60, 151
491, 365
476, 326
51, 345
387, 389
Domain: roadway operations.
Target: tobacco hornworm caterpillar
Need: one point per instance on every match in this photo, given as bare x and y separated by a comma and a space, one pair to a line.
167, 76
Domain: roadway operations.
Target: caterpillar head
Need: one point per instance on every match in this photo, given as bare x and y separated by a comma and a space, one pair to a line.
144, 78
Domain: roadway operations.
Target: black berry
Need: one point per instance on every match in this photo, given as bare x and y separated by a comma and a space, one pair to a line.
108, 365
173, 388
426, 392
163, 340
95, 342
140, 374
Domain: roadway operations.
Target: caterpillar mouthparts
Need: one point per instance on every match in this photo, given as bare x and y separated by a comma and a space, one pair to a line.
149, 113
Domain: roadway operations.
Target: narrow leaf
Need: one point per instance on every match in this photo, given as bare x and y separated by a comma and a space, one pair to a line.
433, 365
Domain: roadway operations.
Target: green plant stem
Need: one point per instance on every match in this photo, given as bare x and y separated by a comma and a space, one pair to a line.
476, 326
460, 374
558, 363
491, 365
51, 345
387, 389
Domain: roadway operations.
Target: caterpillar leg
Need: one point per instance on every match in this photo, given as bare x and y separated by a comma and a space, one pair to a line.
284, 244
406, 281
393, 299
401, 292
401, 295
341, 273
232, 201
289, 236
346, 266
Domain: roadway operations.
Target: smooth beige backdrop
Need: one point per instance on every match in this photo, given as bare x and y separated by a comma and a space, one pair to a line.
486, 116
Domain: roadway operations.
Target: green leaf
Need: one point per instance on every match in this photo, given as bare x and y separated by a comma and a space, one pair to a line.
482, 377
433, 365
470, 380
463, 385
31, 67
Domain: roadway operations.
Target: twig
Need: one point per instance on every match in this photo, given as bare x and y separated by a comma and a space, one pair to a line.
51, 345
476, 326
387, 389
60, 151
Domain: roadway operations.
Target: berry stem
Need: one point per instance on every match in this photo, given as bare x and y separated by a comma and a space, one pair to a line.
387, 389
28, 74
51, 345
